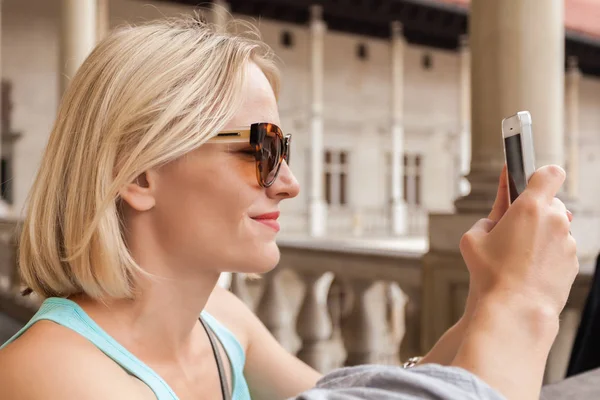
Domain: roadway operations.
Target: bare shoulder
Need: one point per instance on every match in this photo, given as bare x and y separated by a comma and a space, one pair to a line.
231, 312
271, 371
53, 362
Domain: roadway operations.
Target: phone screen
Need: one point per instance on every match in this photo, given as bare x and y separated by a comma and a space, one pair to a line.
517, 181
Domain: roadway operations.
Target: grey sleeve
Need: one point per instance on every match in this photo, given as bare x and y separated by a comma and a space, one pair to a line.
379, 382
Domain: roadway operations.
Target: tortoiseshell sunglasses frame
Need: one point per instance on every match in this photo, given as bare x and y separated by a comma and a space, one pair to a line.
255, 135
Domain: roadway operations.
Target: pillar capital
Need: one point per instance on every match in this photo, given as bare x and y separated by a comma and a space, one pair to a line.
573, 70
317, 23
316, 13
463, 42
396, 29
573, 62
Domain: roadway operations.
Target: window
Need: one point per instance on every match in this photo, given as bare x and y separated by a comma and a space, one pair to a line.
343, 159
362, 51
411, 179
287, 39
5, 181
417, 176
336, 177
405, 179
327, 177
427, 61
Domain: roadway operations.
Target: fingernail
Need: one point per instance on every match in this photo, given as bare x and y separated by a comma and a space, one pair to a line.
570, 215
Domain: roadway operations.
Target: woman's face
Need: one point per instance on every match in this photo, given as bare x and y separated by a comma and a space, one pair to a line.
207, 206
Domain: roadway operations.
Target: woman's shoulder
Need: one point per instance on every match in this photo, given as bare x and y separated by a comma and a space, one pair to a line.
231, 312
52, 362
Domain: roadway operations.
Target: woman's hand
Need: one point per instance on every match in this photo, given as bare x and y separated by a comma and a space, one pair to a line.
499, 208
522, 267
526, 249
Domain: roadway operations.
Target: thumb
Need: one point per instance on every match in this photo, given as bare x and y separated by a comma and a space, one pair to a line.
501, 203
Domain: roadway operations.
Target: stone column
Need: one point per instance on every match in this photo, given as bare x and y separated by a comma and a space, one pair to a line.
572, 116
78, 36
318, 209
465, 114
103, 19
399, 225
5, 210
517, 63
221, 12
517, 49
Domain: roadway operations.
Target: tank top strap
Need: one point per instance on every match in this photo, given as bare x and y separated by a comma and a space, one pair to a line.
68, 314
235, 353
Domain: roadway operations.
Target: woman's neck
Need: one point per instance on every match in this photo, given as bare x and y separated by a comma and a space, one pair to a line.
158, 324
161, 319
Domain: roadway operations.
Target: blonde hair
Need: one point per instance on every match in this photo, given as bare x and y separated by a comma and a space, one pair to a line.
145, 96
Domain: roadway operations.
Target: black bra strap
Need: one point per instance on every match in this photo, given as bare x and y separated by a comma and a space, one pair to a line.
222, 376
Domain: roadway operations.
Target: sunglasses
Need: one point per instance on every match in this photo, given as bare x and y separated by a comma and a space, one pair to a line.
270, 146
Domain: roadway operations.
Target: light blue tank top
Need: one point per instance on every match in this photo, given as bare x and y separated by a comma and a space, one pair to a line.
68, 314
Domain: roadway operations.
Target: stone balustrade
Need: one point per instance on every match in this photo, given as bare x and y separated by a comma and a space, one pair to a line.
335, 306
338, 303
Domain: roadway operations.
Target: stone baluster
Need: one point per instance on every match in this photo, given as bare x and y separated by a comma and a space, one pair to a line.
274, 311
9, 276
6, 269
336, 304
15, 278
411, 343
396, 302
314, 324
365, 328
239, 287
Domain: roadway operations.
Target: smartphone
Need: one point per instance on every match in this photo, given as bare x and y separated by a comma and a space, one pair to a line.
518, 152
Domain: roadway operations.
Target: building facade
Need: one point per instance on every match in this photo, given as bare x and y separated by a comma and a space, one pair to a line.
360, 172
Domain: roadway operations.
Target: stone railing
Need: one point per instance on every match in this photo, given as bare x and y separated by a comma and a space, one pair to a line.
11, 302
335, 306
335, 303
359, 222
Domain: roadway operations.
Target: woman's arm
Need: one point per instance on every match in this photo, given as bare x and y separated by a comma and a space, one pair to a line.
270, 370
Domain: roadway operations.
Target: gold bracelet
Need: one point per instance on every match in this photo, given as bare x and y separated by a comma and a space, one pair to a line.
412, 362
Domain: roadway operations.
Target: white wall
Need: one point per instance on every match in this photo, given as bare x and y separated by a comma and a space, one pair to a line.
357, 101
30, 61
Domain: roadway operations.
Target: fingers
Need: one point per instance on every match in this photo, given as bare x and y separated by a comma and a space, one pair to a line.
546, 182
560, 216
501, 203
559, 206
483, 226
570, 216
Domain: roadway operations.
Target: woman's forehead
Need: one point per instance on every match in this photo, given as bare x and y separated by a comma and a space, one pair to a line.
259, 103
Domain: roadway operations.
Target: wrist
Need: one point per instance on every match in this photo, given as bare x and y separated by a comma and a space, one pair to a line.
505, 328
538, 319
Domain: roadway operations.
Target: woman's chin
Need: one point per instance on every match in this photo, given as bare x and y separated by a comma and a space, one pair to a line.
262, 261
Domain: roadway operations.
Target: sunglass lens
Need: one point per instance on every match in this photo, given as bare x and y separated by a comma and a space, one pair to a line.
270, 155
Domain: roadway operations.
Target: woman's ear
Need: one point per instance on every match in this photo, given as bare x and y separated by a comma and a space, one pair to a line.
139, 194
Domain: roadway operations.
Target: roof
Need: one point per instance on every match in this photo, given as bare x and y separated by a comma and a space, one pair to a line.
581, 16
434, 23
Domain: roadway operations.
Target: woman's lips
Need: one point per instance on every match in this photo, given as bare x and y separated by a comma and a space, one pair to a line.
269, 219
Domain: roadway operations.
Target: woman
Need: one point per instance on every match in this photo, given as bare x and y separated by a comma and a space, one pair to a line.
165, 168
